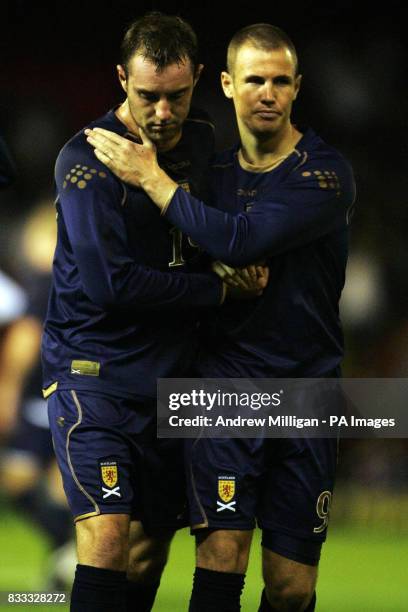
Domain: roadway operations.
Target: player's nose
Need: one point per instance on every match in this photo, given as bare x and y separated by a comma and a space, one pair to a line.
268, 92
163, 110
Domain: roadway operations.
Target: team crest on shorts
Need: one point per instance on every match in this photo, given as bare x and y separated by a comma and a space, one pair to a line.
226, 493
110, 480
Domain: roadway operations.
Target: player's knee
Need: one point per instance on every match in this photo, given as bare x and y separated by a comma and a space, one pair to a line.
147, 554
289, 584
224, 551
289, 596
103, 541
147, 565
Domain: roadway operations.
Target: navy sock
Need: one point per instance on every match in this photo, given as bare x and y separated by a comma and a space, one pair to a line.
265, 606
98, 590
220, 591
140, 597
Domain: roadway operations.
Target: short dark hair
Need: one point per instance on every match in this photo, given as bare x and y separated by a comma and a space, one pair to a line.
262, 35
161, 39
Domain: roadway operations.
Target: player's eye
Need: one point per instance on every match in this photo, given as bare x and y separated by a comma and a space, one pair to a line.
149, 97
282, 81
176, 96
256, 80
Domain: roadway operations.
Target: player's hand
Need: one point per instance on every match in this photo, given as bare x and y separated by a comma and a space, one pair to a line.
243, 283
129, 160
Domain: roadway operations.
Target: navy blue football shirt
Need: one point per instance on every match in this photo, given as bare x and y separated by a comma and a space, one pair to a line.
294, 217
122, 309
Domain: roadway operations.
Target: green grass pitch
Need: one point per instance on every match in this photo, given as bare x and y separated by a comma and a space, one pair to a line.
361, 570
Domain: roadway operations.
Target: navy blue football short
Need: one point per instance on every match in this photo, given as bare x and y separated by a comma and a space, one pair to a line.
112, 462
283, 485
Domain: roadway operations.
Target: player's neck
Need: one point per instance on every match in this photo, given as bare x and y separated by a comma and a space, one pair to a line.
271, 150
125, 116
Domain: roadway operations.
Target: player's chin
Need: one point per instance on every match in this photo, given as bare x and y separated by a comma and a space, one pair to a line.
163, 134
265, 125
264, 131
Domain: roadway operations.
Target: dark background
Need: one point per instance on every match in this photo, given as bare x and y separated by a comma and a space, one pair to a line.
58, 73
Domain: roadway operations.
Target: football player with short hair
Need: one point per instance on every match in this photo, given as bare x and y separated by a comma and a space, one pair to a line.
281, 195
126, 292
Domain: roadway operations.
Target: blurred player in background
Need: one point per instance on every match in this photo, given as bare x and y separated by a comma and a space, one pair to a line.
13, 302
284, 195
28, 471
123, 312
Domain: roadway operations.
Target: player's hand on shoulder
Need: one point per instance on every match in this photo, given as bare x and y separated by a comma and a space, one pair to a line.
243, 283
128, 160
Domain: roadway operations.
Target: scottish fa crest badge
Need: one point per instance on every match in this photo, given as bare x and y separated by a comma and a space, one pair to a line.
226, 493
110, 480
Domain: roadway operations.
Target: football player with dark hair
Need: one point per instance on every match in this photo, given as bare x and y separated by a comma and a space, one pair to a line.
127, 288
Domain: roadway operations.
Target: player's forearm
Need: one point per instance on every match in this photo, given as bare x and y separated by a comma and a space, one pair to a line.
272, 227
109, 274
159, 187
124, 285
225, 237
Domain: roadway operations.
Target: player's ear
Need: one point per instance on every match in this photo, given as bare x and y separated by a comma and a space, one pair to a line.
227, 84
298, 81
122, 77
197, 73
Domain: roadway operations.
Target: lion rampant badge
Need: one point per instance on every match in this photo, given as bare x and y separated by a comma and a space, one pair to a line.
226, 493
110, 479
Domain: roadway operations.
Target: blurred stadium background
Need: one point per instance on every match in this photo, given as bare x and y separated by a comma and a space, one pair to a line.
58, 72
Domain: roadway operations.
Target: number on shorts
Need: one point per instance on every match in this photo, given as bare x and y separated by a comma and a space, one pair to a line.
323, 506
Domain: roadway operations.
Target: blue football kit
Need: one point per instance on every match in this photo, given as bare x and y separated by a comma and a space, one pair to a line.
126, 293
294, 217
